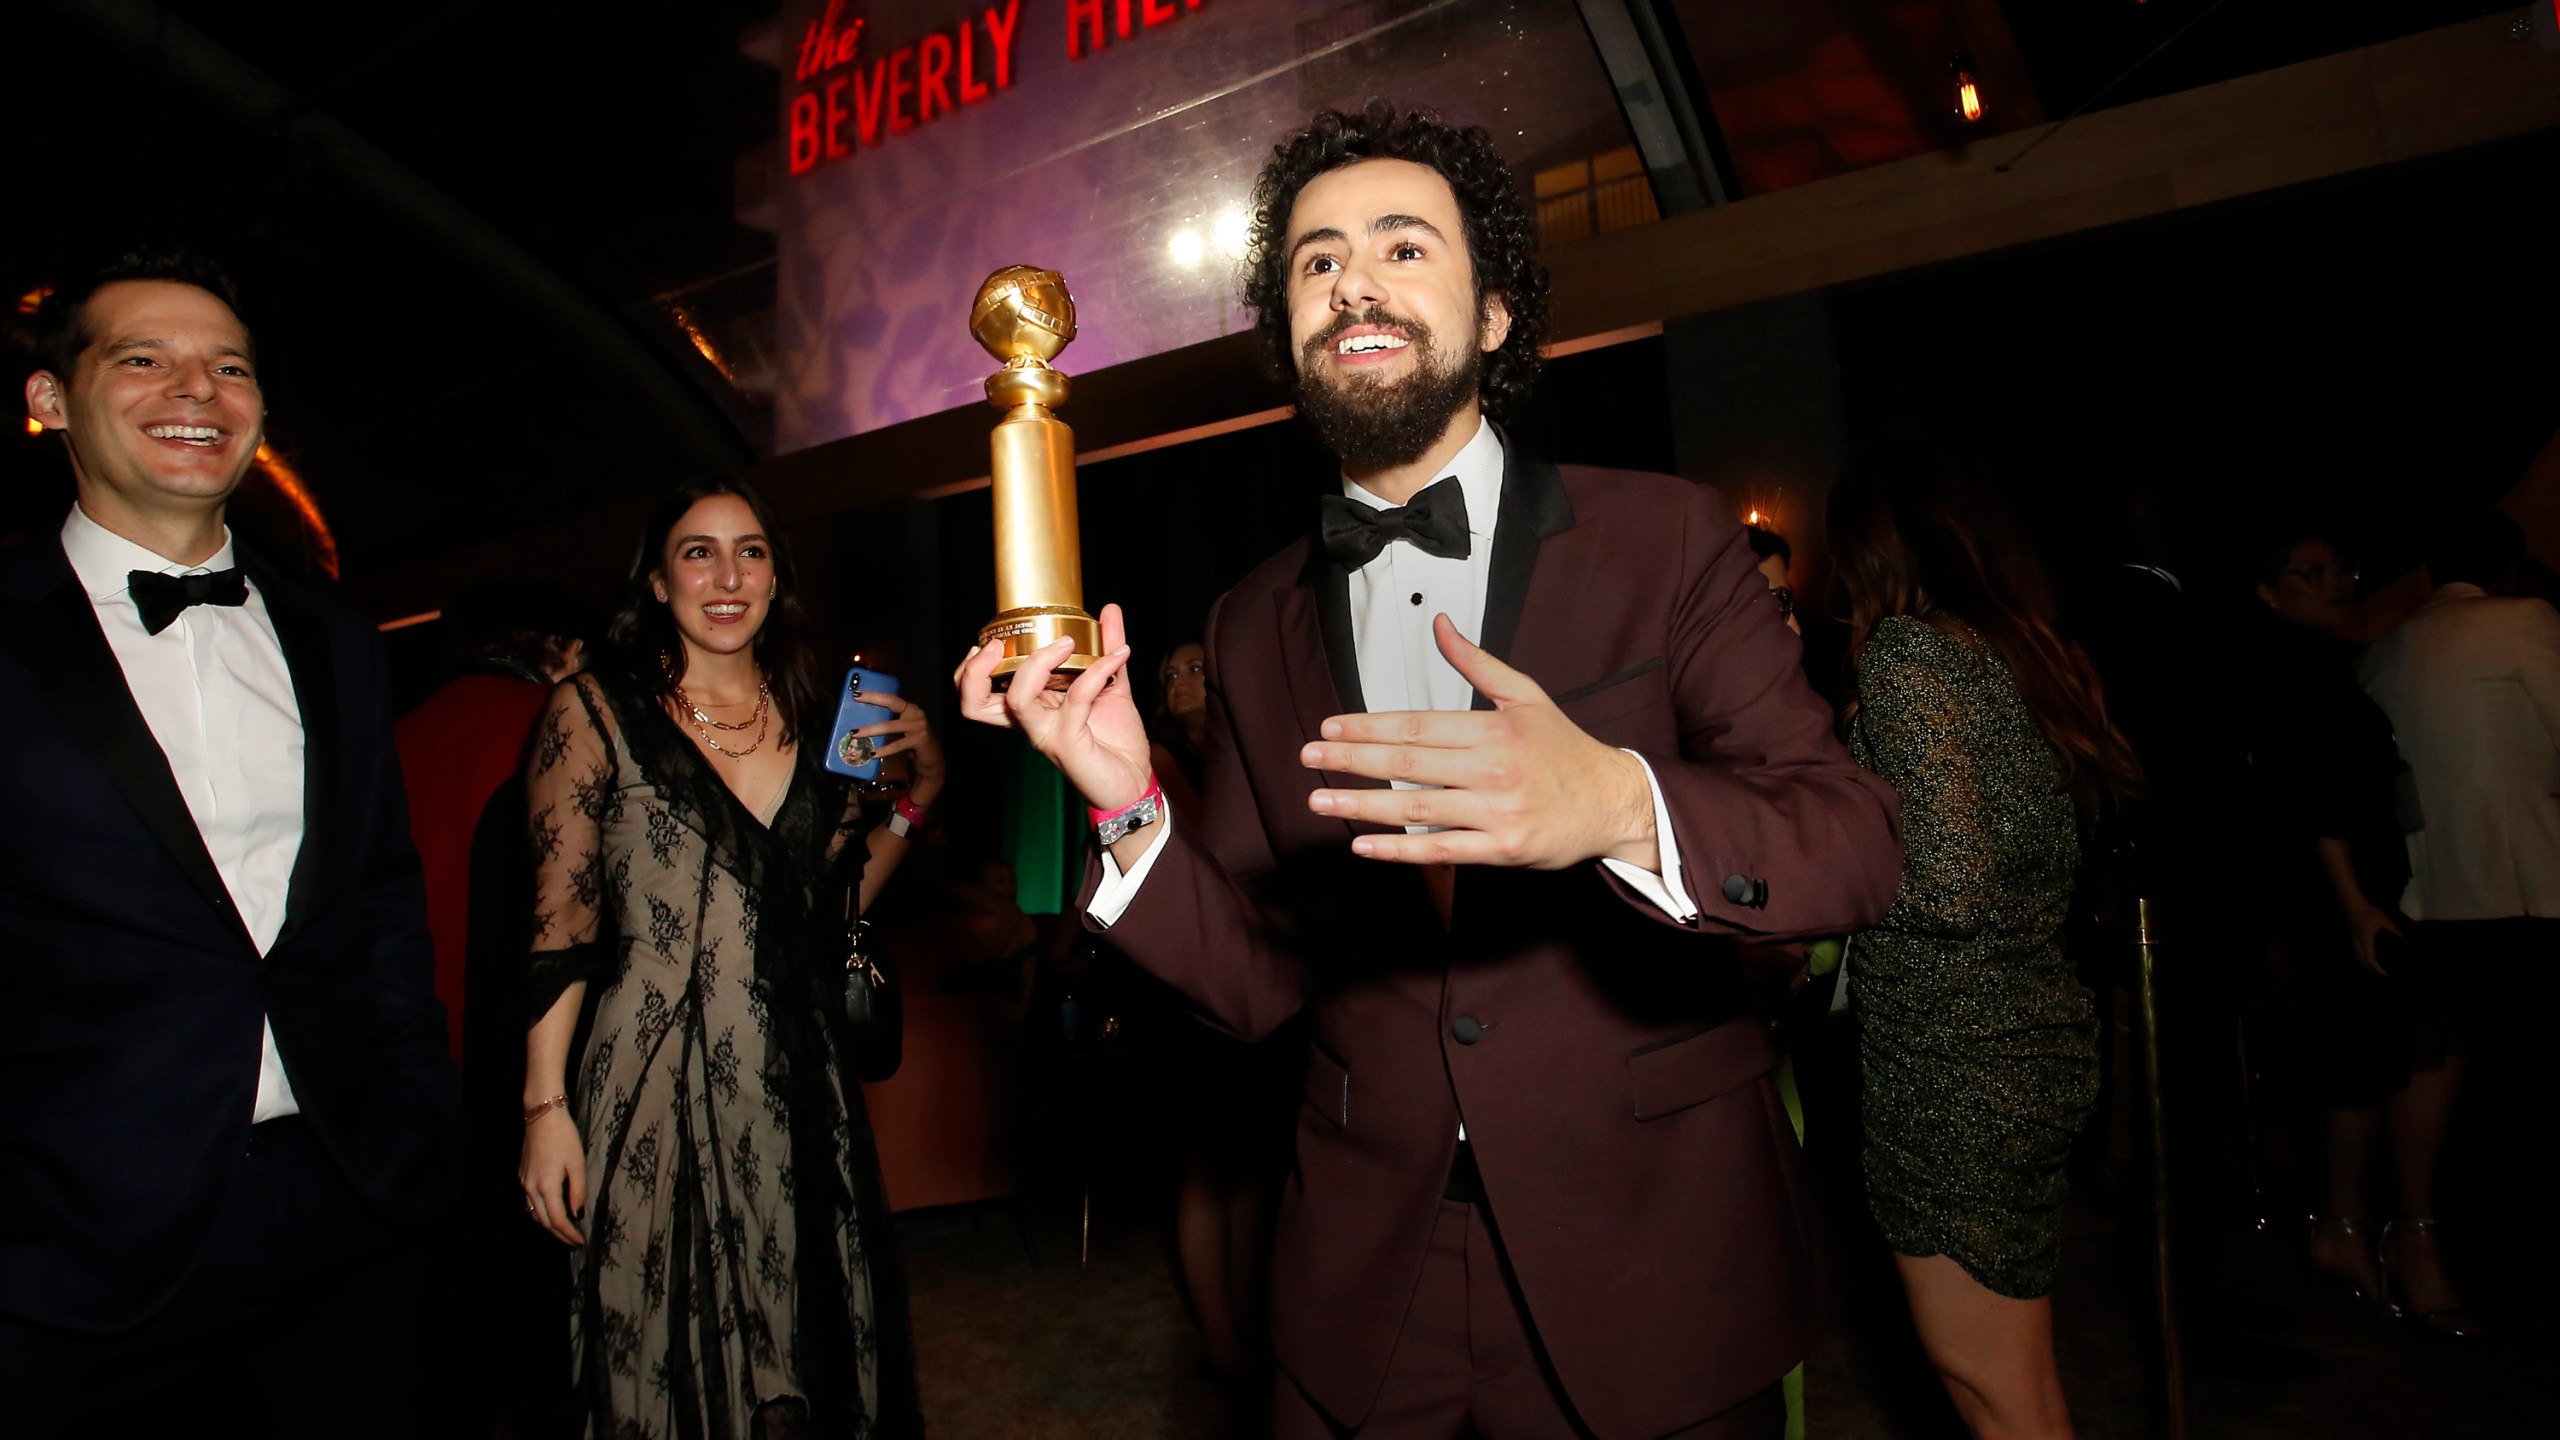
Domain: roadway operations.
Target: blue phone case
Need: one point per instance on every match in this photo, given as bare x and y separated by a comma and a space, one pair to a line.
846, 755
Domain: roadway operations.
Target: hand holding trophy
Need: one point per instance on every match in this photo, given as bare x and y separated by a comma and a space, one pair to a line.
1071, 703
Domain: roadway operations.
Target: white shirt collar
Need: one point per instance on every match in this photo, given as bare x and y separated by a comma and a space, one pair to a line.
1478, 466
102, 558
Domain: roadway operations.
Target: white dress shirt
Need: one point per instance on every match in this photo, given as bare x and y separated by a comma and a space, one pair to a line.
2471, 682
1393, 600
214, 689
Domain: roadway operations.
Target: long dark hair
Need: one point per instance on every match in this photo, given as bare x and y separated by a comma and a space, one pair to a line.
643, 641
1929, 538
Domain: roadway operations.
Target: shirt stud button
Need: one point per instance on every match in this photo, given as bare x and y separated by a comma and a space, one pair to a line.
1417, 597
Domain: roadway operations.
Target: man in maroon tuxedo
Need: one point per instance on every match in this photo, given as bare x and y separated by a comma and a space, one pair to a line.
1544, 1184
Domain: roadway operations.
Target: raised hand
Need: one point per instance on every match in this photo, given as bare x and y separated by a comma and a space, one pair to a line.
1522, 785
1091, 730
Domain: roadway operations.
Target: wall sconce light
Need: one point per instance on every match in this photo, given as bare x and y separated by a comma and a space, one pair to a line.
1968, 90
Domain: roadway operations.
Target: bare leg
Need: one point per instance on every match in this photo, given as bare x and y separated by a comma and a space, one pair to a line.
2417, 1118
1201, 1242
2342, 1243
1994, 1354
1249, 1270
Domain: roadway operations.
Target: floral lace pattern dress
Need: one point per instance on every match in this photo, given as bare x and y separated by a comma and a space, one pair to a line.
734, 1212
1977, 1043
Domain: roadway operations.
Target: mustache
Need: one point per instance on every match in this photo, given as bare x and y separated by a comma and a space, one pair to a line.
1321, 341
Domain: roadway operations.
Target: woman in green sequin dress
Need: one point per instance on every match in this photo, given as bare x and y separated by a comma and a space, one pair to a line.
1977, 1043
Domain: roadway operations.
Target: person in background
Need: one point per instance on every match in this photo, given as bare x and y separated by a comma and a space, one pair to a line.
226, 1135
1977, 1041
710, 1162
1231, 1100
2374, 1039
2471, 681
2164, 651
462, 758
1775, 556
511, 642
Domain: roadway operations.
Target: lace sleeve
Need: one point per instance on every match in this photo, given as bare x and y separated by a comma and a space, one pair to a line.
569, 787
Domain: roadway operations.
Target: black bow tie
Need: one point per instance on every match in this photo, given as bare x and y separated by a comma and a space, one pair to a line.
162, 598
1435, 523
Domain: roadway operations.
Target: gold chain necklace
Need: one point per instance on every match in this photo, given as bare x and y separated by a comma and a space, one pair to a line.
704, 724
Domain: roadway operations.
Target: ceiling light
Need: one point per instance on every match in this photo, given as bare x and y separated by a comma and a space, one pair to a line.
1968, 90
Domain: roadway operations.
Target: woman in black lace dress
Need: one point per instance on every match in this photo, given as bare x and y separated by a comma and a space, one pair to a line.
709, 1158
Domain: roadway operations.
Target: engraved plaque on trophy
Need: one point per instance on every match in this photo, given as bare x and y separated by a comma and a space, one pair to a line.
1024, 317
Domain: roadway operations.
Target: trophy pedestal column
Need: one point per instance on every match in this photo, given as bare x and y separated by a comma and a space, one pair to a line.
1039, 548
1023, 317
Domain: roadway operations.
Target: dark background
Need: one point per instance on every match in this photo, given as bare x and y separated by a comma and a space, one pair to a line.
2371, 350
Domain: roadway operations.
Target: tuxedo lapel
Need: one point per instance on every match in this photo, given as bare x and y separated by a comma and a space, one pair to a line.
1534, 509
54, 632
1317, 660
315, 694
1331, 586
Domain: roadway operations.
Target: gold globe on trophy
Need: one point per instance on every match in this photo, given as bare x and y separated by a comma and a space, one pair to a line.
1024, 317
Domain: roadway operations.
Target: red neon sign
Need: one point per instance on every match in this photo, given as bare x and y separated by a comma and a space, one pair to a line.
850, 106
1084, 21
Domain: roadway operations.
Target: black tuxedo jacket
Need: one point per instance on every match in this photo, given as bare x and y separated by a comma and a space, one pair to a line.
131, 993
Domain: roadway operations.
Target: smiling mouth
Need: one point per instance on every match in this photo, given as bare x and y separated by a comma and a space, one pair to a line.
201, 437
1369, 344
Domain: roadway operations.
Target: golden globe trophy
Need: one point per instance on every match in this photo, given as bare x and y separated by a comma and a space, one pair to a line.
1024, 316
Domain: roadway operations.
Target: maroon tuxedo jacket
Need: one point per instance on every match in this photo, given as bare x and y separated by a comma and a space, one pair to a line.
1639, 1166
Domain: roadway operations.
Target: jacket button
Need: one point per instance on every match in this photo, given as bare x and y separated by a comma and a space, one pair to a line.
1467, 1028
1743, 890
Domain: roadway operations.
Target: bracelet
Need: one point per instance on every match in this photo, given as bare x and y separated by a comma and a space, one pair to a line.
1147, 809
545, 1108
906, 817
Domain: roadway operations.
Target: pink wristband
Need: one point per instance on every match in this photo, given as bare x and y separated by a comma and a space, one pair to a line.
1154, 795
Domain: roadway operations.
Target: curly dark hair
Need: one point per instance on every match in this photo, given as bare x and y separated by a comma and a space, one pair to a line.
1501, 229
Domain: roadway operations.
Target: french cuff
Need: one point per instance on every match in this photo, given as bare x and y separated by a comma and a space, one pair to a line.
1665, 890
1116, 890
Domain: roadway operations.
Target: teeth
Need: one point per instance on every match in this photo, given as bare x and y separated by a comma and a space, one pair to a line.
726, 609
182, 432
1365, 344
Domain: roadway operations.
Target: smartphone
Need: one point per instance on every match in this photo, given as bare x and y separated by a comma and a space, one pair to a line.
847, 754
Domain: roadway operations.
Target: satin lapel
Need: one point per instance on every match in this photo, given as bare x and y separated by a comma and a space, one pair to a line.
1534, 509
315, 694
56, 637
1317, 666
1331, 586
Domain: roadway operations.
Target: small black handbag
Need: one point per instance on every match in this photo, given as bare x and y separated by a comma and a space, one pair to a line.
875, 1018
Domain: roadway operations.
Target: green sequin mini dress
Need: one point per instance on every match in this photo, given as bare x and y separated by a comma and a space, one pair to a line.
1978, 1045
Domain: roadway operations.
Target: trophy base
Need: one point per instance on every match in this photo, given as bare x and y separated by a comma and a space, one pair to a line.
1022, 632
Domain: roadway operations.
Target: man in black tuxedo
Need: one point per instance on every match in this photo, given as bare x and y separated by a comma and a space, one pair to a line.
226, 1110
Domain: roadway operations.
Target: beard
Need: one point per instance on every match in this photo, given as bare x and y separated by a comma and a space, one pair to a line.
1373, 424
